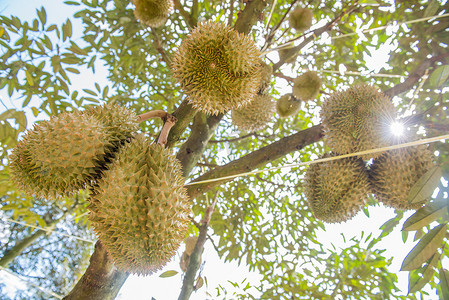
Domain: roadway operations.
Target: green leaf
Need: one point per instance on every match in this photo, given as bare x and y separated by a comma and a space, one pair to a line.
431, 9
35, 111
443, 289
71, 3
66, 30
427, 272
169, 273
439, 76
72, 70
105, 92
425, 185
426, 215
42, 15
30, 79
90, 92
425, 248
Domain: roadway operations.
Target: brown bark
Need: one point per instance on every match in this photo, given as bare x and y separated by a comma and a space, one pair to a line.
101, 280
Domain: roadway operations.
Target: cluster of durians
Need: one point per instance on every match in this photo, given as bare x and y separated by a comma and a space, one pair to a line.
354, 121
138, 205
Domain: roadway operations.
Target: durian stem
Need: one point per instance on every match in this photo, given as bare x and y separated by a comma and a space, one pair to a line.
169, 123
152, 114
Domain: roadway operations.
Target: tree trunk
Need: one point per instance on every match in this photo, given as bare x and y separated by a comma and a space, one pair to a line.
101, 280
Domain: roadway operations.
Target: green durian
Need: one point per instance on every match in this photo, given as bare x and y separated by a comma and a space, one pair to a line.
336, 190
218, 68
357, 119
153, 13
393, 174
255, 115
266, 71
300, 19
287, 106
307, 86
140, 208
66, 153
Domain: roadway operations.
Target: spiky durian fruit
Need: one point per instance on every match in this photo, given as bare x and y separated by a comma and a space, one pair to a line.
393, 174
287, 106
336, 190
300, 19
357, 119
307, 86
139, 208
255, 115
218, 68
153, 13
266, 71
62, 155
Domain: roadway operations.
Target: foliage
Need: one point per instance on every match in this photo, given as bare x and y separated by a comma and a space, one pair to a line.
262, 221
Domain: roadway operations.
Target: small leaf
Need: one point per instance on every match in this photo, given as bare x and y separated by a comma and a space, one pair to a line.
425, 185
42, 15
105, 92
439, 76
30, 79
66, 30
431, 9
426, 215
169, 273
427, 272
35, 111
443, 289
90, 92
425, 248
72, 70
199, 283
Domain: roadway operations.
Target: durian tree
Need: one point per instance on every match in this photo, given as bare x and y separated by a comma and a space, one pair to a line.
203, 65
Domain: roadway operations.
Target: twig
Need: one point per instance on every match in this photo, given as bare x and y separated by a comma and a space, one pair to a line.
280, 75
255, 134
158, 45
169, 123
195, 257
152, 114
197, 225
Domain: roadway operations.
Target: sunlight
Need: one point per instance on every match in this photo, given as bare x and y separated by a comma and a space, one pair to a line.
397, 128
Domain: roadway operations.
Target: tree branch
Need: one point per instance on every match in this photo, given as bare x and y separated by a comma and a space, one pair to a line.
414, 78
187, 17
195, 257
291, 52
256, 159
101, 280
249, 16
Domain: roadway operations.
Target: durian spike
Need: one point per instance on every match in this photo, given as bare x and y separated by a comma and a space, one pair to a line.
152, 114
169, 123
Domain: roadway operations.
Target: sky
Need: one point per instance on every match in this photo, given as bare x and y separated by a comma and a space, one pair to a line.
217, 272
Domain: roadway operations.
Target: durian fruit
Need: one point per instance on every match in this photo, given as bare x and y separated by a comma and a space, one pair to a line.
153, 13
218, 68
266, 71
255, 115
357, 119
64, 154
300, 19
336, 190
139, 208
60, 156
287, 106
393, 174
307, 86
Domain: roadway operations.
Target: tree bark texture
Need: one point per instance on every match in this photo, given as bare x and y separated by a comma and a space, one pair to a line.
101, 280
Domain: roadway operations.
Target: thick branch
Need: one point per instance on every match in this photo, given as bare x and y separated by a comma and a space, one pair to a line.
415, 76
101, 280
249, 16
257, 159
195, 257
184, 113
187, 17
191, 151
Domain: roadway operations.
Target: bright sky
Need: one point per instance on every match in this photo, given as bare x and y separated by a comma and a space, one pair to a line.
217, 272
